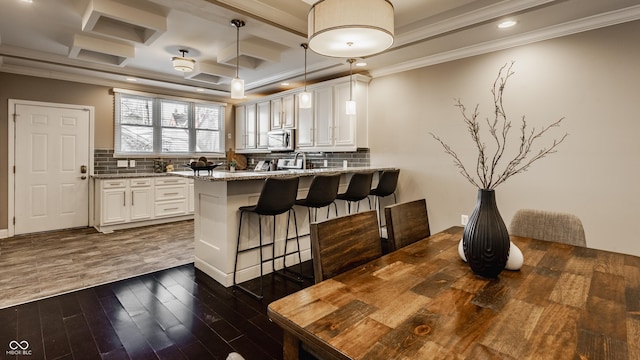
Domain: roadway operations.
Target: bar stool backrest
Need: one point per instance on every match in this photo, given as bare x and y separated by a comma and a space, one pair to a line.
277, 196
323, 190
359, 186
387, 184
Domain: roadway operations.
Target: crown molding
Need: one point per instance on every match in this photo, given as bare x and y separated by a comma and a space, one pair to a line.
551, 32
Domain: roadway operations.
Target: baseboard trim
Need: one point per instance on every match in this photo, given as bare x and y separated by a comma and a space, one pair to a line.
4, 233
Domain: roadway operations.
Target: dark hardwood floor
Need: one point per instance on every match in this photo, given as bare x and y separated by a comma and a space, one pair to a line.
178, 313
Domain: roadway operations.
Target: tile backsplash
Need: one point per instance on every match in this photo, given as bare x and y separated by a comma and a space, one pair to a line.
106, 163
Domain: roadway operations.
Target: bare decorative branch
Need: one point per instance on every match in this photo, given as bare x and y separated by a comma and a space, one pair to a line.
499, 127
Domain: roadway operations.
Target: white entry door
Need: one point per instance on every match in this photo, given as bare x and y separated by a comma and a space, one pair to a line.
52, 168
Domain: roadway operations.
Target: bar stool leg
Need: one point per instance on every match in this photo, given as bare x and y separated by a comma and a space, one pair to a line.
235, 265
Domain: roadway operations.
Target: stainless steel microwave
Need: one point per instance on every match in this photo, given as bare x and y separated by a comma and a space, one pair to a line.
281, 140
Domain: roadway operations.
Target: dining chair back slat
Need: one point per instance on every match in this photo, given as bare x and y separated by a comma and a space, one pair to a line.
344, 243
407, 223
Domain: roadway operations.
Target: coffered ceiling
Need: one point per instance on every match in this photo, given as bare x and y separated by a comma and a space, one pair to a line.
107, 41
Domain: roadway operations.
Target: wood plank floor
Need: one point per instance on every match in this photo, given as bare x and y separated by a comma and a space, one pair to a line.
177, 313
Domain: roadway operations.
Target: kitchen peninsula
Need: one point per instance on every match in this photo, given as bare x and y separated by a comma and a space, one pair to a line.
217, 199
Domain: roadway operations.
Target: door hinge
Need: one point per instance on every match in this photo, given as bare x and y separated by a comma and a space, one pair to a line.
14, 169
14, 220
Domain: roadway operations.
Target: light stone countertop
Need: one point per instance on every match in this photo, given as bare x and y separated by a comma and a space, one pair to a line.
226, 175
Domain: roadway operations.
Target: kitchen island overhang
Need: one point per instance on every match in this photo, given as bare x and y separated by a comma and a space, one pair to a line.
217, 198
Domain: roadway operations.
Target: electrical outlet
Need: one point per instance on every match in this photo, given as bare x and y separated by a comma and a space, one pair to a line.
464, 219
132, 163
326, 163
345, 164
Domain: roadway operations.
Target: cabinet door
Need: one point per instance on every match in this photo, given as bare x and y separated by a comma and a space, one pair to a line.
241, 130
263, 122
344, 125
305, 125
276, 113
323, 113
114, 206
288, 112
250, 127
191, 197
141, 204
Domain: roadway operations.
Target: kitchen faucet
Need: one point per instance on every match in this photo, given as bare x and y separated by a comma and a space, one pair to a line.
304, 159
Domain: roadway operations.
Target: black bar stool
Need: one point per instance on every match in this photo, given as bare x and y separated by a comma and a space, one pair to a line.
387, 185
358, 189
322, 192
276, 197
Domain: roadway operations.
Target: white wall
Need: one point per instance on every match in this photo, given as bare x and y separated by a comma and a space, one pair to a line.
592, 79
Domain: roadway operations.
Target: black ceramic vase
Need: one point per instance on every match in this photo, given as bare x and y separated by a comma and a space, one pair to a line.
486, 239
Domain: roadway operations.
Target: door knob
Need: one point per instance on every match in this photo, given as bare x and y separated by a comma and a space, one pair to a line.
83, 177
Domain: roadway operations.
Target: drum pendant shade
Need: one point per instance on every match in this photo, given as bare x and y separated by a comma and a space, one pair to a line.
350, 28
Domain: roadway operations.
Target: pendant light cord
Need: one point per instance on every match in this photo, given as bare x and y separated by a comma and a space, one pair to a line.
351, 61
305, 46
237, 49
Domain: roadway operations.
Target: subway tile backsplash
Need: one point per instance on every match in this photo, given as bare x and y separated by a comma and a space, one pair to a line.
106, 163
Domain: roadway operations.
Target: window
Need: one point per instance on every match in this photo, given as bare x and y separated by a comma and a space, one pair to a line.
150, 125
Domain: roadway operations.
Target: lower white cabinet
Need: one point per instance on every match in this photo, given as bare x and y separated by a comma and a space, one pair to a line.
170, 196
124, 203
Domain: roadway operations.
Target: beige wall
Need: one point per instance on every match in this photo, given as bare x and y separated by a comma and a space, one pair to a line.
64, 92
592, 79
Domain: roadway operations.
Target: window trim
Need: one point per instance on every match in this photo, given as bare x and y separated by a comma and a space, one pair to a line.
157, 124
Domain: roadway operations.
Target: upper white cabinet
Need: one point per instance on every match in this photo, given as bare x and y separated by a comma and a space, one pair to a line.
283, 112
263, 111
246, 127
324, 127
328, 127
241, 127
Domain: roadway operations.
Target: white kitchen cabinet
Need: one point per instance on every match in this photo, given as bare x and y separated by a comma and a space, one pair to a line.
241, 127
191, 197
246, 136
343, 124
124, 203
323, 116
141, 195
170, 196
263, 110
305, 124
123, 200
283, 112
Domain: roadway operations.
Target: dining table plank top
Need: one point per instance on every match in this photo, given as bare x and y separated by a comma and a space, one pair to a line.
424, 302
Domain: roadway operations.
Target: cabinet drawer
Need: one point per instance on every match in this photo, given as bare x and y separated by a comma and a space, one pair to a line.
113, 184
170, 180
171, 208
170, 192
139, 182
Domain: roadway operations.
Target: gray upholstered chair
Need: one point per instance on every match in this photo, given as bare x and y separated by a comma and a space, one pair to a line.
547, 225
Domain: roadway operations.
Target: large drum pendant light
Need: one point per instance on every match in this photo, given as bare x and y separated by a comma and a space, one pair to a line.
237, 84
350, 28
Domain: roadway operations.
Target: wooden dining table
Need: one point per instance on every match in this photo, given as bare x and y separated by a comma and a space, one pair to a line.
424, 302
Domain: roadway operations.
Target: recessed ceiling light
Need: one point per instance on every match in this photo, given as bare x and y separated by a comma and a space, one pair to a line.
26, 1
285, 83
200, 89
131, 79
361, 64
507, 24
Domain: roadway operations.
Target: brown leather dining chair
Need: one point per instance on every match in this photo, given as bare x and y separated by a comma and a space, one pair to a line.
344, 243
407, 223
548, 225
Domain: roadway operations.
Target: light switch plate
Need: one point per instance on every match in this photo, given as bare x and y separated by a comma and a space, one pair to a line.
123, 163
